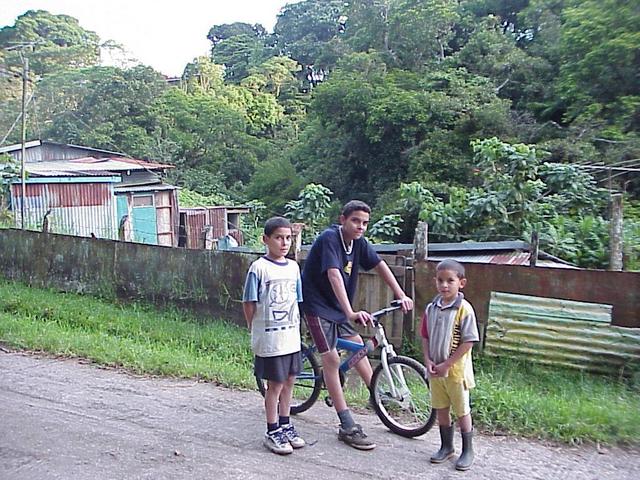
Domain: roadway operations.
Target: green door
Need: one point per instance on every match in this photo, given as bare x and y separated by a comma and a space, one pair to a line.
122, 207
144, 225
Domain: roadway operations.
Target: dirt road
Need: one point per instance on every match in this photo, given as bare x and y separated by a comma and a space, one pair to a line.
70, 420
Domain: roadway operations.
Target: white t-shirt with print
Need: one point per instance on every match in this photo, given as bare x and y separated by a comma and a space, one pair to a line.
277, 289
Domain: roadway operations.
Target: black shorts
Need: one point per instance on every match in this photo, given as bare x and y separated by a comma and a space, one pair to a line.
279, 368
325, 333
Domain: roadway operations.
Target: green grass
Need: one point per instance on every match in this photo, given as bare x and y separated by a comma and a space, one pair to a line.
511, 397
135, 337
554, 404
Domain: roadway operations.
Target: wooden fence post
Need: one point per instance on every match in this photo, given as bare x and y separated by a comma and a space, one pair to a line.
421, 242
615, 233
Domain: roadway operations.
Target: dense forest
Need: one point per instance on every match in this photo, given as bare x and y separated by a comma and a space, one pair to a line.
488, 119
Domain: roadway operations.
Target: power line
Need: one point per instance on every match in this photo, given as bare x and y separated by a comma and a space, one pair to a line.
16, 120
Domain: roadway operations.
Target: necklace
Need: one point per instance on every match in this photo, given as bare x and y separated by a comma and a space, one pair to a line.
347, 248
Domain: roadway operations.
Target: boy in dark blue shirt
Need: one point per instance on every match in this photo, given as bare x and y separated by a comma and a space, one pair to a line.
329, 283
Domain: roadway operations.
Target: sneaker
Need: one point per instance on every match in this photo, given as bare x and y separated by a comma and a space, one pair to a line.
355, 437
295, 440
277, 442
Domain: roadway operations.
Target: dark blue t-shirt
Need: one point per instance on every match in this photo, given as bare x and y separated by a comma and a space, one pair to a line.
328, 252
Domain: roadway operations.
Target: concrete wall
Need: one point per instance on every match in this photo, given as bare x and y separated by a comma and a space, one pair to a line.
209, 282
619, 289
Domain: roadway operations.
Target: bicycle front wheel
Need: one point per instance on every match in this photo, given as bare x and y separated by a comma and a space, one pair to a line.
308, 383
401, 398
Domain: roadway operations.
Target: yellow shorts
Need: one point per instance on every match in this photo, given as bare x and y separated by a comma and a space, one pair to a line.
448, 392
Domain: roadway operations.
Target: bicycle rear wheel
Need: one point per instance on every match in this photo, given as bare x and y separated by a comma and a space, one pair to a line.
401, 397
308, 383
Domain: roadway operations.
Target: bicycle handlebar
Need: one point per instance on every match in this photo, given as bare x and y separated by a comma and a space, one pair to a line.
395, 305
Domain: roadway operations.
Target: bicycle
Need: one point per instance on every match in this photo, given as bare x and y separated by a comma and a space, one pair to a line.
399, 390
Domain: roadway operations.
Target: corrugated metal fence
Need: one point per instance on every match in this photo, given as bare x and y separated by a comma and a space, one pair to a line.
560, 332
74, 208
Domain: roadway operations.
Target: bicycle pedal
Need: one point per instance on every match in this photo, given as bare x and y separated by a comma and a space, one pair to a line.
328, 401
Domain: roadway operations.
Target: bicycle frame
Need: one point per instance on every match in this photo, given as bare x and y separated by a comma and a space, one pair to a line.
360, 350
397, 384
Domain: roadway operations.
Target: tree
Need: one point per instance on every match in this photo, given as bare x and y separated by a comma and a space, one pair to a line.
222, 32
599, 72
9, 171
239, 47
311, 209
518, 193
211, 146
516, 75
408, 33
59, 42
10, 99
385, 229
203, 74
103, 107
261, 110
305, 28
379, 126
275, 182
275, 75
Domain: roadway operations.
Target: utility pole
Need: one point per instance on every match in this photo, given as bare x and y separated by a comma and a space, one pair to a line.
25, 79
25, 82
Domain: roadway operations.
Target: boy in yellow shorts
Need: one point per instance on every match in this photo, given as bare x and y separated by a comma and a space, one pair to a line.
448, 332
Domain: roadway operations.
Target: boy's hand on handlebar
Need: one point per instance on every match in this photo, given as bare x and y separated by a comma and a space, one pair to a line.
362, 317
406, 303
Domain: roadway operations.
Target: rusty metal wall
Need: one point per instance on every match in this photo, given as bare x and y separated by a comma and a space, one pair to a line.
218, 220
195, 220
200, 217
620, 289
76, 208
560, 332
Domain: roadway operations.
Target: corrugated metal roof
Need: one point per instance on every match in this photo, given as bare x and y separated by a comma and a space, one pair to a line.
505, 253
90, 166
92, 179
18, 146
475, 246
560, 332
514, 252
36, 143
509, 258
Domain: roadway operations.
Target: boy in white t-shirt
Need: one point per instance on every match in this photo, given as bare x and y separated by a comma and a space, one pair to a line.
272, 292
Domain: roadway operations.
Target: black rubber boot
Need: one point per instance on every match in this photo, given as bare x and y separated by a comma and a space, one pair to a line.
446, 446
466, 457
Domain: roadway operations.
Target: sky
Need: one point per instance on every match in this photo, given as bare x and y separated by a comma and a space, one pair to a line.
163, 34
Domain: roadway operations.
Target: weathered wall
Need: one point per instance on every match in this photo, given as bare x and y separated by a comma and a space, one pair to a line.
211, 281
619, 289
206, 281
